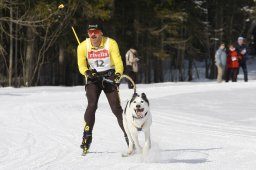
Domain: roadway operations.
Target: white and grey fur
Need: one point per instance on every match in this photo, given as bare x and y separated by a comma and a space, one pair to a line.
137, 117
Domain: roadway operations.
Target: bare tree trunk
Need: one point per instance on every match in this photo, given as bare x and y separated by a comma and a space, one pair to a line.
206, 67
221, 6
181, 65
62, 76
11, 50
197, 73
181, 61
155, 71
149, 68
207, 46
231, 28
190, 73
160, 70
213, 73
172, 65
159, 61
29, 57
177, 66
16, 54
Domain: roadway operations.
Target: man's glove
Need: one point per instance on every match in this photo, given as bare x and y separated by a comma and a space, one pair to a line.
117, 77
91, 74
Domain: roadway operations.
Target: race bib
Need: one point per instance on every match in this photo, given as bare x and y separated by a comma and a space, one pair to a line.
99, 59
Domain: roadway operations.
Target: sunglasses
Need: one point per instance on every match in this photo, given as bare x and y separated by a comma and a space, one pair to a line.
90, 32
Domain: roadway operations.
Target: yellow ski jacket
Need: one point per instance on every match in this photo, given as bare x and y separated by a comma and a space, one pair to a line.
115, 57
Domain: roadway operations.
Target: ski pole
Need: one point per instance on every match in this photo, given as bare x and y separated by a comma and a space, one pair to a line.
75, 34
61, 6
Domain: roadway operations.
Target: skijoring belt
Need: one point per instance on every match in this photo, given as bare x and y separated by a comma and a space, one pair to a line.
107, 73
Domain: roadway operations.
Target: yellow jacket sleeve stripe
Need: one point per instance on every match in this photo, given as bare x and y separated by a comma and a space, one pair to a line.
81, 58
116, 58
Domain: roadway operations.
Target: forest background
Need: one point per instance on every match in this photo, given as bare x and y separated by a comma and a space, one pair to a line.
175, 39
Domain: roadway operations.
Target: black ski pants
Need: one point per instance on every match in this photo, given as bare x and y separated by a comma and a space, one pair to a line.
93, 91
244, 68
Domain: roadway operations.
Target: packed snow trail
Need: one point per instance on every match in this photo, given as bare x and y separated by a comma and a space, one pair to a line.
198, 125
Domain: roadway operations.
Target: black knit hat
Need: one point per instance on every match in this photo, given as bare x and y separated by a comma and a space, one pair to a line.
95, 25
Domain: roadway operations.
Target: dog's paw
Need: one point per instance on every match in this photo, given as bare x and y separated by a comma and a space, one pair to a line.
145, 150
139, 149
126, 154
130, 151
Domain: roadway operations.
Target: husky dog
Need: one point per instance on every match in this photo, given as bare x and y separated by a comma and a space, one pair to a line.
137, 117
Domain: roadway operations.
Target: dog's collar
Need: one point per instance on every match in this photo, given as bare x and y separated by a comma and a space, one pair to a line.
135, 117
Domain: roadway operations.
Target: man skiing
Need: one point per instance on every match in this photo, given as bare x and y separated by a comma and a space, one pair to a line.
99, 58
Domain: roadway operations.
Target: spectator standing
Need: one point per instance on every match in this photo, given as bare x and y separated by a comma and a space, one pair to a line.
233, 58
220, 61
242, 51
131, 65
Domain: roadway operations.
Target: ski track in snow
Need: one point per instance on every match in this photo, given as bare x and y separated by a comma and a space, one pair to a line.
198, 125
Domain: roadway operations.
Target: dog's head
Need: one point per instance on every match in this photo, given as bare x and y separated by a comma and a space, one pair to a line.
140, 105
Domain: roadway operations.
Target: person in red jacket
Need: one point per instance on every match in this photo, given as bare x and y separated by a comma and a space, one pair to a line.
233, 58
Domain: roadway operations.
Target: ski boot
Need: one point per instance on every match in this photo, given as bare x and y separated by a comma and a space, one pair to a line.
86, 142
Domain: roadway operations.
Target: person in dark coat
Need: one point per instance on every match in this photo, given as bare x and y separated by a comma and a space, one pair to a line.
242, 50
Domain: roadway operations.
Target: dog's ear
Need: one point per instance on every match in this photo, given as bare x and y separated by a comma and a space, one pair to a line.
144, 97
133, 97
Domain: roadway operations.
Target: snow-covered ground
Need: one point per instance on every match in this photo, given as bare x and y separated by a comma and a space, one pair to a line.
196, 126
